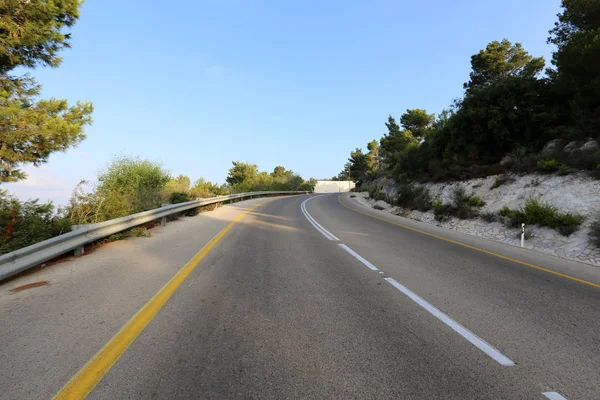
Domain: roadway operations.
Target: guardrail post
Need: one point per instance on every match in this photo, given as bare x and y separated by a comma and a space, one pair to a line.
78, 250
163, 220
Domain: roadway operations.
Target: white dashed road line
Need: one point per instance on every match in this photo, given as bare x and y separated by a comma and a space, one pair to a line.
554, 396
358, 257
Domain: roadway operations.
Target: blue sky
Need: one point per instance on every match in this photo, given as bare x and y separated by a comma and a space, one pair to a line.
197, 84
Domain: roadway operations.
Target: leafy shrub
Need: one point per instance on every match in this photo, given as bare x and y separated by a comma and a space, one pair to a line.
596, 172
127, 186
376, 194
501, 180
563, 170
595, 232
139, 182
535, 212
379, 196
437, 203
182, 197
443, 212
548, 165
463, 203
179, 197
489, 217
414, 197
23, 223
475, 201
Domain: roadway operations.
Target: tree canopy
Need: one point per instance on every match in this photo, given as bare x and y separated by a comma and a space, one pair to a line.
576, 73
501, 60
32, 34
244, 177
507, 114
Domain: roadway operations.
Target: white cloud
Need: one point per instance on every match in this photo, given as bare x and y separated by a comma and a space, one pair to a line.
43, 183
41, 177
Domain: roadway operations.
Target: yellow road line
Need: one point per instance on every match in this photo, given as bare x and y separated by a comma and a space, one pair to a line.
88, 377
473, 247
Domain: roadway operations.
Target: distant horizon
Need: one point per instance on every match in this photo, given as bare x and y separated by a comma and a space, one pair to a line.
293, 85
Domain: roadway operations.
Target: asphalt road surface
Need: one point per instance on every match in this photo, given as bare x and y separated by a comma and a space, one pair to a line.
308, 297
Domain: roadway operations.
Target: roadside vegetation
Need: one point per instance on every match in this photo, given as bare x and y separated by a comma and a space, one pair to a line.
517, 114
32, 34
536, 212
126, 186
595, 232
463, 206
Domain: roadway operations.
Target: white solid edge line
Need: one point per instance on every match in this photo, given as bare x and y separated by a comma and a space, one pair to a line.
554, 396
461, 330
314, 222
358, 257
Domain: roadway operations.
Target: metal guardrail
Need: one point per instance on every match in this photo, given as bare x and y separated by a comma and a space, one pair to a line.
31, 256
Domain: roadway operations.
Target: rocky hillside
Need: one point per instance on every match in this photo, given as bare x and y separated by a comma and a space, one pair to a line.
576, 195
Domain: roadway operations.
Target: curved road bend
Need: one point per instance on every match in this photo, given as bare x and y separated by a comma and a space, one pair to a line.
311, 297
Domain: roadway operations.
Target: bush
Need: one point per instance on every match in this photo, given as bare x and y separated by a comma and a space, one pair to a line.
437, 203
595, 232
443, 212
563, 170
464, 204
489, 217
378, 207
475, 201
376, 194
23, 223
139, 182
548, 165
182, 197
535, 212
501, 180
179, 197
127, 186
414, 197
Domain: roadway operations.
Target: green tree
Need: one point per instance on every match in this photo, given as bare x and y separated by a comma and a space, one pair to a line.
417, 121
32, 34
23, 223
131, 185
344, 174
501, 60
281, 178
279, 172
395, 141
576, 77
309, 185
373, 157
242, 174
204, 189
358, 166
179, 184
263, 181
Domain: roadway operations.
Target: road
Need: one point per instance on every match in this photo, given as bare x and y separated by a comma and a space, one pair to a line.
312, 297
